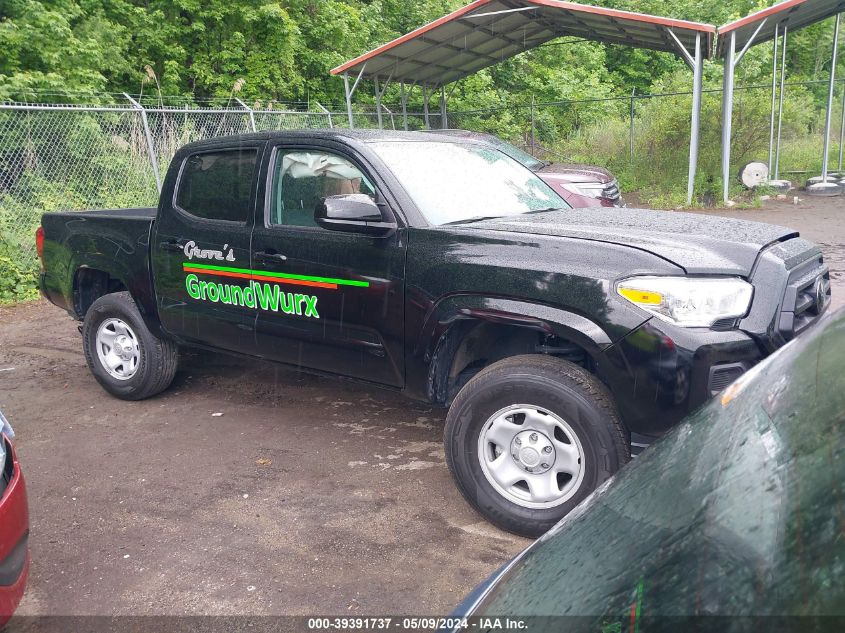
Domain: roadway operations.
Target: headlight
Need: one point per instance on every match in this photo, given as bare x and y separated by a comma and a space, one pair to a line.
587, 189
689, 301
5, 429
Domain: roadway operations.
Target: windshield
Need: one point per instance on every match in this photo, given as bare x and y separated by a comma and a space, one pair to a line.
453, 182
514, 152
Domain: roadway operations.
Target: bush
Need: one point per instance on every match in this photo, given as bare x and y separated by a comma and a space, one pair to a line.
18, 279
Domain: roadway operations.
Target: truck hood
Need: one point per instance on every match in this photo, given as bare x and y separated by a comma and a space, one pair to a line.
699, 244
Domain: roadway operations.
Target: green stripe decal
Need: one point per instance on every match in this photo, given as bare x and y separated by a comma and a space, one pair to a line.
265, 273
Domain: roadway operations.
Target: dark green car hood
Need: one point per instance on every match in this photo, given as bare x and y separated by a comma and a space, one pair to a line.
699, 244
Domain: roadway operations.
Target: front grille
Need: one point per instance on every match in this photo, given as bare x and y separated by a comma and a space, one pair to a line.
611, 190
806, 298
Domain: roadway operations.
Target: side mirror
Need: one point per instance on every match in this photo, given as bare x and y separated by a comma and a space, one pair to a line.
352, 213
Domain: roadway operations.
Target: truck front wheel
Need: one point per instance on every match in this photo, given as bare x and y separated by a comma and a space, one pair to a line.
128, 360
529, 437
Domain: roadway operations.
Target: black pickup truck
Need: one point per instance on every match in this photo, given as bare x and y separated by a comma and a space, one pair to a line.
440, 267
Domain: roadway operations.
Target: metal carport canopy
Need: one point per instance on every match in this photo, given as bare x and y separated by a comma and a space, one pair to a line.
794, 14
486, 32
765, 25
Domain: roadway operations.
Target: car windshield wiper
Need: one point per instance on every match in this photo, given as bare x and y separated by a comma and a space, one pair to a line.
477, 218
544, 210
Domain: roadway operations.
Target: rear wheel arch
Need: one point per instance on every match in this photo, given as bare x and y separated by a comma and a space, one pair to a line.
89, 284
90, 281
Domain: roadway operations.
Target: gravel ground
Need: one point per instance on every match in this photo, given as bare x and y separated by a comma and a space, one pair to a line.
248, 488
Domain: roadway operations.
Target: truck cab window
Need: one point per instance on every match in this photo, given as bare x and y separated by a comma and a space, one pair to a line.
302, 178
218, 185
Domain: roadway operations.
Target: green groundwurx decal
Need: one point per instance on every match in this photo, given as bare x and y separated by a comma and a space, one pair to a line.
266, 296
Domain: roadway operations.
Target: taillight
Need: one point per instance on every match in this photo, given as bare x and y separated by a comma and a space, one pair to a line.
39, 243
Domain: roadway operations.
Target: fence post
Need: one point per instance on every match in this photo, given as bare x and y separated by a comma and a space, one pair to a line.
631, 129
326, 112
249, 110
150, 147
533, 149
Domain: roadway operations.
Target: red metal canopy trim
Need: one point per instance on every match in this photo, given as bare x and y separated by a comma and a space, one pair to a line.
626, 15
409, 36
572, 7
759, 15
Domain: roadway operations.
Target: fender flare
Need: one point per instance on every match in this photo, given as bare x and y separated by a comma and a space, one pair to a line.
453, 316
138, 286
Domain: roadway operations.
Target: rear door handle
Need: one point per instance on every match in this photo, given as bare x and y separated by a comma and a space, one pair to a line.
171, 246
270, 257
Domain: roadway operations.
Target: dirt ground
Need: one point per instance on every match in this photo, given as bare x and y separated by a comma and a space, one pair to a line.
247, 488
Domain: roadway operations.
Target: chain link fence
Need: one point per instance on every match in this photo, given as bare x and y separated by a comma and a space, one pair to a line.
64, 157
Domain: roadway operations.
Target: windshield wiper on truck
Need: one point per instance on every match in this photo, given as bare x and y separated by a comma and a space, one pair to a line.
477, 218
545, 209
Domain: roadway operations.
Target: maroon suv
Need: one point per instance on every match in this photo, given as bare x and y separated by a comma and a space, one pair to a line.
580, 185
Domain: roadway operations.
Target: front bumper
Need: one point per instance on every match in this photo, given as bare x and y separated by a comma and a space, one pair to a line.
14, 531
659, 373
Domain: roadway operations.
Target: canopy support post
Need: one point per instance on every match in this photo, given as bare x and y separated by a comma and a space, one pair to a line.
425, 107
774, 99
348, 99
403, 99
732, 58
727, 113
351, 91
444, 122
830, 97
695, 122
696, 64
378, 103
379, 97
842, 130
780, 101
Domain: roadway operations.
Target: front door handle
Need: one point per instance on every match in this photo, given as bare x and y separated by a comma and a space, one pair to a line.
171, 246
270, 257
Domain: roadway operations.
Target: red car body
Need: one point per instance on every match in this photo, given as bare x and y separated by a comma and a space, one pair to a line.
566, 179
14, 534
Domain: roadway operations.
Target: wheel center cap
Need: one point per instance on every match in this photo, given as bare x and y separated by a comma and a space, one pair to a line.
532, 451
123, 347
529, 456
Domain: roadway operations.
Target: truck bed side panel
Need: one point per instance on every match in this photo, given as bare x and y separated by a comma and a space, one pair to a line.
115, 241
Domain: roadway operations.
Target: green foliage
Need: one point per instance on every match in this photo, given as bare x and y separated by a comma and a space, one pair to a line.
18, 280
658, 170
270, 51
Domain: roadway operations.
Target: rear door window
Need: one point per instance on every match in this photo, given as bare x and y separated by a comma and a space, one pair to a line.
217, 185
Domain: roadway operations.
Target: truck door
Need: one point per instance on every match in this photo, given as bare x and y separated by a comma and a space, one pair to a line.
202, 234
339, 306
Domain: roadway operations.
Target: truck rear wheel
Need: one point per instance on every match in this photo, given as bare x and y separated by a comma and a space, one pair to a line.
529, 437
128, 360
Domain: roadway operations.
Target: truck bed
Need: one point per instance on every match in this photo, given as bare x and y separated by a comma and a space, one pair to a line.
139, 213
114, 241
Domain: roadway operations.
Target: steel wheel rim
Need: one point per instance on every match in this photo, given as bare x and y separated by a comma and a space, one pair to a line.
118, 349
521, 468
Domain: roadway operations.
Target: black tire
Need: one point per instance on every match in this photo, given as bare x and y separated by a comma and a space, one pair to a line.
557, 386
158, 360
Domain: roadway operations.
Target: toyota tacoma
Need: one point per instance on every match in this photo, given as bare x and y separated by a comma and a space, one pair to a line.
442, 268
